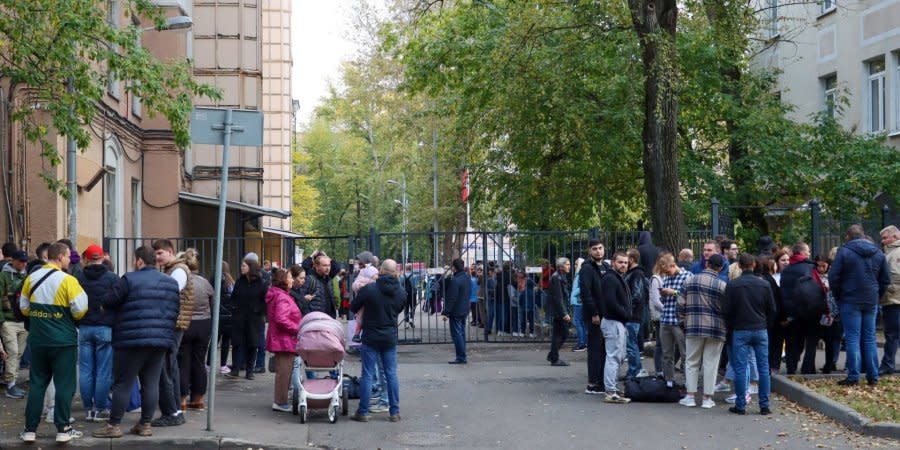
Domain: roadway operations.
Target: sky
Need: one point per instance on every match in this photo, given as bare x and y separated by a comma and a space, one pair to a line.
319, 31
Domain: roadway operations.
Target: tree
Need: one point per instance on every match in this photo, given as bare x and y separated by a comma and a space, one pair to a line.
46, 43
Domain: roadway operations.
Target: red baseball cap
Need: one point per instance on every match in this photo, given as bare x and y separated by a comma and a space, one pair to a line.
93, 252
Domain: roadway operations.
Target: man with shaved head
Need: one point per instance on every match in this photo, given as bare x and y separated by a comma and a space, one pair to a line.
381, 302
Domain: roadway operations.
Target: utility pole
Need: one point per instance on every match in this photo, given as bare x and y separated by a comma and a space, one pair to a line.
71, 171
434, 165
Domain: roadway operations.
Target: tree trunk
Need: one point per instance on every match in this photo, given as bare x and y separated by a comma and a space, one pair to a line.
654, 22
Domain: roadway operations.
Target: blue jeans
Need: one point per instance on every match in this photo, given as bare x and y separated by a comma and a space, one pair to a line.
751, 368
95, 366
370, 357
579, 326
891, 317
458, 334
261, 348
859, 325
632, 349
490, 311
379, 386
745, 342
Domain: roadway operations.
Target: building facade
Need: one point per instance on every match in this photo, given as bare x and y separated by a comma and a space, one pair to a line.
836, 48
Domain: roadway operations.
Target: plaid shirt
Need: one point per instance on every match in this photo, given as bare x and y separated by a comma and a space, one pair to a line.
703, 296
670, 302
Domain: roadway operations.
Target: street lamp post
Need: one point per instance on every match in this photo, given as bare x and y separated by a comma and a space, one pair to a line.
404, 204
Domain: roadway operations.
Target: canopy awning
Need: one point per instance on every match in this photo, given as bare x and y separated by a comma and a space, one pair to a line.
249, 208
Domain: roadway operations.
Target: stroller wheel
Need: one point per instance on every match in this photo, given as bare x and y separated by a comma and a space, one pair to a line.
295, 401
303, 416
333, 414
345, 402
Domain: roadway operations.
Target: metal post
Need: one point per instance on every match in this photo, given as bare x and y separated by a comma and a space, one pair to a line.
71, 171
434, 166
220, 256
815, 225
405, 205
715, 217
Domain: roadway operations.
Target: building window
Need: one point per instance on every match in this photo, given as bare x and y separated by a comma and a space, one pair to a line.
828, 5
772, 18
876, 95
829, 83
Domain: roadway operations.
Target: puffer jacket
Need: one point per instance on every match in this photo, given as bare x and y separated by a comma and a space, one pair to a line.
284, 321
860, 274
10, 282
186, 296
639, 288
97, 281
892, 293
146, 304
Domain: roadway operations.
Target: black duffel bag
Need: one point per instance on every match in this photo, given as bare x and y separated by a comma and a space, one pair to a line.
652, 390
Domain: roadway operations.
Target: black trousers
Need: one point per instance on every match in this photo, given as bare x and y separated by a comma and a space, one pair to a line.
145, 363
245, 338
776, 346
557, 339
596, 353
191, 358
832, 336
802, 338
170, 380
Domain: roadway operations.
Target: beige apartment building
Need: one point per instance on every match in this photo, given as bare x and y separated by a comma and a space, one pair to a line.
836, 48
133, 182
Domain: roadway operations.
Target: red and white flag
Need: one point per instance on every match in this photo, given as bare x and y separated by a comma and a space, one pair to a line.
465, 185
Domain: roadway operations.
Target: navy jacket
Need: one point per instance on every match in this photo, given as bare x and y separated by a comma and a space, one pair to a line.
859, 274
383, 301
97, 281
456, 298
146, 303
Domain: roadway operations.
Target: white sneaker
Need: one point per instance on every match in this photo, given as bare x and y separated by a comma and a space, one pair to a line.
753, 389
66, 436
733, 398
708, 403
688, 401
281, 408
224, 370
91, 416
642, 374
378, 409
28, 436
723, 386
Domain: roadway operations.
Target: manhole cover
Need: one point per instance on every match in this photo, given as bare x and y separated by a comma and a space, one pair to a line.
419, 438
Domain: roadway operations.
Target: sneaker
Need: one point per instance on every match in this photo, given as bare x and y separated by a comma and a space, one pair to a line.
357, 417
731, 399
281, 408
108, 431
559, 363
593, 390
708, 403
15, 393
135, 410
614, 397
67, 435
101, 416
642, 374
233, 375
753, 389
765, 411
28, 436
250, 376
357, 338
142, 429
723, 387
579, 348
531, 335
688, 401
395, 418
168, 421
224, 370
379, 408
847, 382
259, 370
91, 416
872, 382
735, 410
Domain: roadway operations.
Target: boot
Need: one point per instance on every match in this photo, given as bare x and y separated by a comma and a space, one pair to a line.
197, 403
142, 429
184, 402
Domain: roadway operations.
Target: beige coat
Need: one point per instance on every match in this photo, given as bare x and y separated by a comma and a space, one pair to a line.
892, 295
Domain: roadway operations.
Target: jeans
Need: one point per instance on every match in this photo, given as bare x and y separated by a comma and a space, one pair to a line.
379, 387
145, 363
515, 325
615, 335
579, 325
744, 343
526, 320
261, 348
458, 334
558, 338
891, 317
752, 371
388, 357
95, 366
632, 349
859, 326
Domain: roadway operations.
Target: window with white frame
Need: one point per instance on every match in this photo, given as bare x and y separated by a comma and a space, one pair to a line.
829, 84
828, 5
876, 94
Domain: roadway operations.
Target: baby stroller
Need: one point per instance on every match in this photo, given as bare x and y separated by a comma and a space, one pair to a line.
321, 352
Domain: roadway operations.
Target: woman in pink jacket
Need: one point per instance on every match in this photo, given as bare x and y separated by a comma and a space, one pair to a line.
281, 337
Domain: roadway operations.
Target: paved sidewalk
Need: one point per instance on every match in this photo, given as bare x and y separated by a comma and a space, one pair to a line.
507, 397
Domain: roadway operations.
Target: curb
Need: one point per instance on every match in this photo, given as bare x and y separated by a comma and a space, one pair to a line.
199, 443
805, 396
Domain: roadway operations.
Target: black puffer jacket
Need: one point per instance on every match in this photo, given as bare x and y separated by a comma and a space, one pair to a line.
383, 301
640, 292
97, 282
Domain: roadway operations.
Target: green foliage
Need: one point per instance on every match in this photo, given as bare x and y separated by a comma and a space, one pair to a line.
45, 43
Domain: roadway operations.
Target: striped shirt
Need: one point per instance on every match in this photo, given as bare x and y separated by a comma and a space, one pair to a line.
703, 299
670, 302
58, 302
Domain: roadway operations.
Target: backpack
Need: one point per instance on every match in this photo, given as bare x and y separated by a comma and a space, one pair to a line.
809, 297
351, 385
652, 390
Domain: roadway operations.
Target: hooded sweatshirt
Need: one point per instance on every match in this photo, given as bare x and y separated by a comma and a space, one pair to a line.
383, 301
860, 273
97, 281
649, 252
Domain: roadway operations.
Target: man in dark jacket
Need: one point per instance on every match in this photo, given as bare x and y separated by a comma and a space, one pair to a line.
803, 329
456, 308
320, 270
616, 307
859, 277
589, 284
95, 336
639, 288
383, 301
648, 251
748, 309
146, 303
556, 306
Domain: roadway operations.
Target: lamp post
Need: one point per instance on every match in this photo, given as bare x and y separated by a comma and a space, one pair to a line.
404, 204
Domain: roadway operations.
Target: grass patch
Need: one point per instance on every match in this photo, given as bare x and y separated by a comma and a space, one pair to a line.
880, 403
